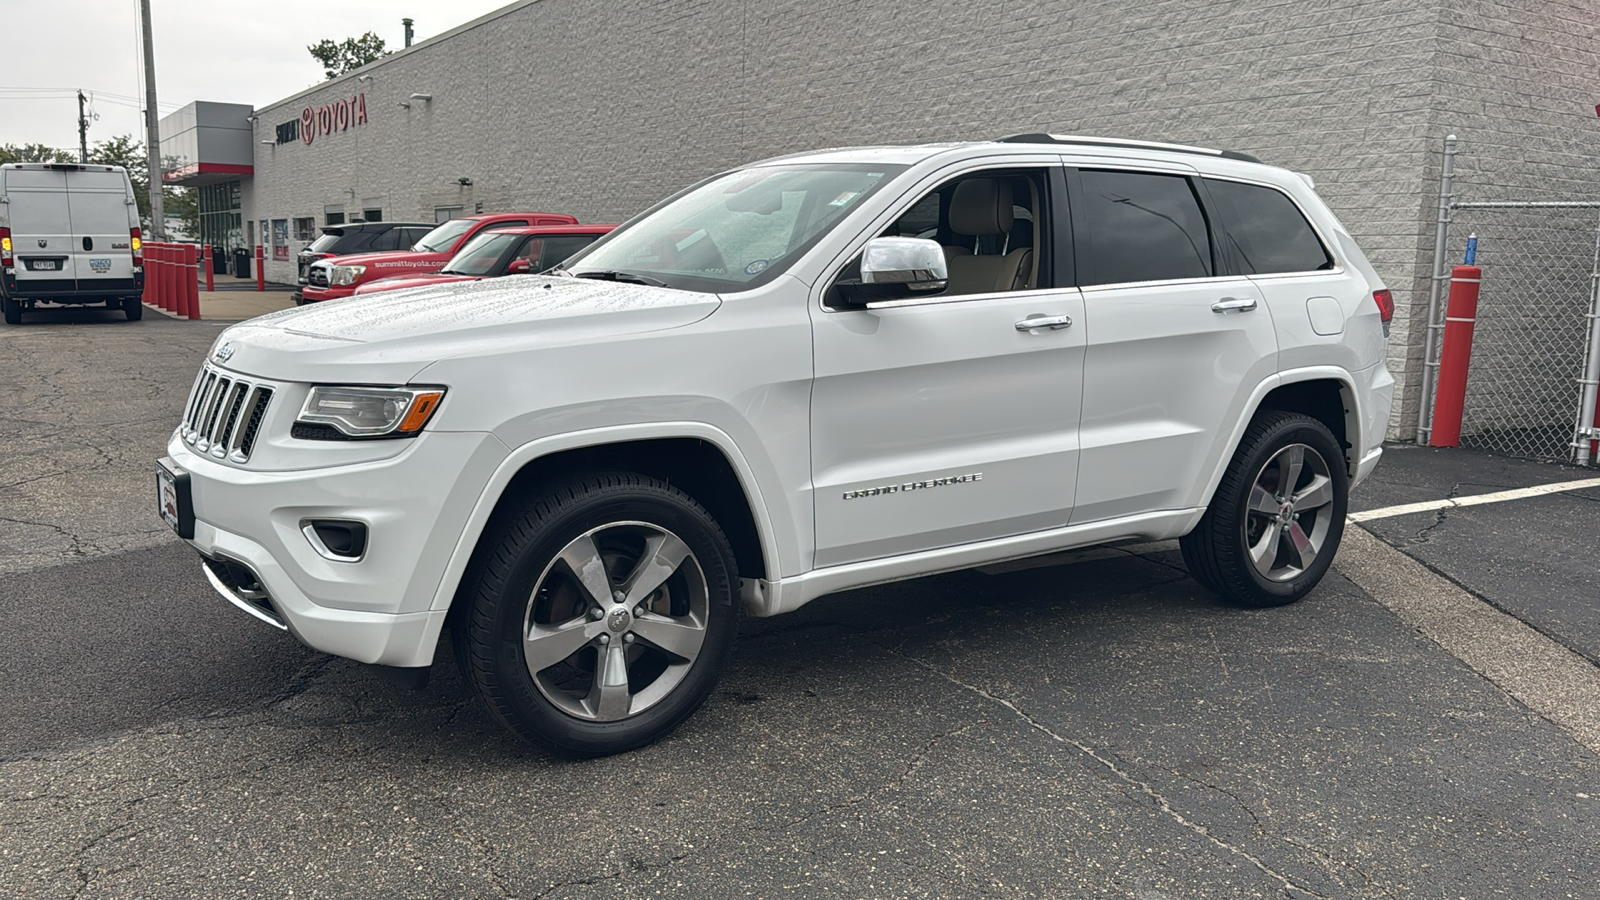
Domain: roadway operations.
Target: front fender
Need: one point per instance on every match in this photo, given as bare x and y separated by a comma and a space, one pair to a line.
526, 453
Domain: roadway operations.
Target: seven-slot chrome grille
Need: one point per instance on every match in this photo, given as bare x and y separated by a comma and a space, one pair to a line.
224, 415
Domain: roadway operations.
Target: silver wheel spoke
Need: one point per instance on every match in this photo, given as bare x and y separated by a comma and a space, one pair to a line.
1305, 551
1317, 494
663, 554
1263, 551
680, 637
543, 645
608, 695
583, 558
1262, 501
1290, 462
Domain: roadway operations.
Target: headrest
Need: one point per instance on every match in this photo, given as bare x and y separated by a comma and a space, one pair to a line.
981, 206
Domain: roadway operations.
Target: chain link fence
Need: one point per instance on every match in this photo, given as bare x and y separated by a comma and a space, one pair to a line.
1531, 385
1524, 385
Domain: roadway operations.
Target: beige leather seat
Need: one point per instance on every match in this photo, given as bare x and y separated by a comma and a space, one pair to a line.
980, 207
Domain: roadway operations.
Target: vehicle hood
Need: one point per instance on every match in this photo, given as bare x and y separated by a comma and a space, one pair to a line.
390, 336
396, 282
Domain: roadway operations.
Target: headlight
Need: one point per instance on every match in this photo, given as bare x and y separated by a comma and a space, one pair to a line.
368, 412
346, 274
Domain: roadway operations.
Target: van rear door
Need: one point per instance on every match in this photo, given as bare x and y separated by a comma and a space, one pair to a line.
41, 230
101, 252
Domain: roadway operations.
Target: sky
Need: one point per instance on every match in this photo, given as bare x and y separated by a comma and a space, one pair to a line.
223, 50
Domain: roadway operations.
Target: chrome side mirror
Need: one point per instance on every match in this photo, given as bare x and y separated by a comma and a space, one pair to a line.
915, 264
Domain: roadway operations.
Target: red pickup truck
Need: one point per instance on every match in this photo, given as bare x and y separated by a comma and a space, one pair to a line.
336, 278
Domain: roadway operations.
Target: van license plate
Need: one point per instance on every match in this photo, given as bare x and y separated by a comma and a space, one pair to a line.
42, 265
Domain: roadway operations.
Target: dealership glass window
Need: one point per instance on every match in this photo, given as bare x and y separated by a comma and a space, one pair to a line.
446, 213
305, 230
280, 239
333, 215
221, 219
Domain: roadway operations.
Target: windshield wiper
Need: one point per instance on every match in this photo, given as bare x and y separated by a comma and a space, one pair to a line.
614, 275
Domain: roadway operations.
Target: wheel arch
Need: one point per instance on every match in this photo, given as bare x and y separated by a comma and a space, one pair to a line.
700, 459
1326, 393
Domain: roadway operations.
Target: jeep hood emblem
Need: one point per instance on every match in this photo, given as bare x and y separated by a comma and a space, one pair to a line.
223, 353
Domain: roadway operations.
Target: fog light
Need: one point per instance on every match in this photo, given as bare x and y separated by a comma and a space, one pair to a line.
344, 540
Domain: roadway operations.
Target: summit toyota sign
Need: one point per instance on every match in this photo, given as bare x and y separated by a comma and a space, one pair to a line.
315, 121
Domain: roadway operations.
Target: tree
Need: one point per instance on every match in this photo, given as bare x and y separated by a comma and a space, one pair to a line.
128, 153
347, 55
12, 153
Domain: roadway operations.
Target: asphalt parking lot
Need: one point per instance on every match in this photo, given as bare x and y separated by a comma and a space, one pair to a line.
1089, 725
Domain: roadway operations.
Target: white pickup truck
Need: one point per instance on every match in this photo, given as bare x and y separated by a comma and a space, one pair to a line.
809, 374
69, 234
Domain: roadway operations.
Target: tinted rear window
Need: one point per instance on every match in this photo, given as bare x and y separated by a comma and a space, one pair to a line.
1142, 227
1265, 229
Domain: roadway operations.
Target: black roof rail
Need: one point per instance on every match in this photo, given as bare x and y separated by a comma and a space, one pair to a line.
1041, 138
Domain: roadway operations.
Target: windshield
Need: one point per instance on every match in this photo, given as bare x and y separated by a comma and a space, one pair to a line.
481, 254
737, 230
440, 239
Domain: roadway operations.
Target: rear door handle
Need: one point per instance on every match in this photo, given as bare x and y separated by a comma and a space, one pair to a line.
1233, 304
1039, 320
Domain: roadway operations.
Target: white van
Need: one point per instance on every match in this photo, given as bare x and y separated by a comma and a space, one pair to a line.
69, 234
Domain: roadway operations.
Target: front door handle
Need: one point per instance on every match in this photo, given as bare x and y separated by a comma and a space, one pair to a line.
1039, 320
1233, 304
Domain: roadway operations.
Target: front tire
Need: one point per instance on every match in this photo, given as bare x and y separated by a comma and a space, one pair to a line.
1275, 523
599, 617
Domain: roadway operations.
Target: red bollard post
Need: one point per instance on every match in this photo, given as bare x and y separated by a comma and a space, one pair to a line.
209, 261
1460, 315
152, 278
191, 282
170, 282
159, 264
180, 296
261, 269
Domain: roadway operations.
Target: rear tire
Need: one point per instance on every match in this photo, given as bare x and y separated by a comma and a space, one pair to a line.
598, 617
133, 308
13, 310
1274, 525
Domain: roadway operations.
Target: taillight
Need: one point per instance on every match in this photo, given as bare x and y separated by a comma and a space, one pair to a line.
5, 246
1385, 301
137, 245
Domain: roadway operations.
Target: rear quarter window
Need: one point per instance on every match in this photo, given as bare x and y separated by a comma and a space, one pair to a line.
1265, 231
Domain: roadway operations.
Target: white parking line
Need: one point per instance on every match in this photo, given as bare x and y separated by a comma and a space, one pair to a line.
1474, 500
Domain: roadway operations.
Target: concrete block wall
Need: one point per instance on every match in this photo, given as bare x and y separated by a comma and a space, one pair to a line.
600, 111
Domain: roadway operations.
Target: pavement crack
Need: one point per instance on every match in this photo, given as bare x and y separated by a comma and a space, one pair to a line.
1424, 535
1121, 774
912, 765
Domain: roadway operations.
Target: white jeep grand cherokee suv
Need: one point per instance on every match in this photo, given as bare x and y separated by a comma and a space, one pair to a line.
809, 374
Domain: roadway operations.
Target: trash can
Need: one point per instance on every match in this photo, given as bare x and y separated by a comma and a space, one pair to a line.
241, 263
219, 261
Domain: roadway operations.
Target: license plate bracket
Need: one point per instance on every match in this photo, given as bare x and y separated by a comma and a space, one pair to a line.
174, 501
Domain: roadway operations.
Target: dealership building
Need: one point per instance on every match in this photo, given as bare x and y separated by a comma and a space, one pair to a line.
600, 110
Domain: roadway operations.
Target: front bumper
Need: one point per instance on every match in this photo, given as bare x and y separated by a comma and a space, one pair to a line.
377, 609
313, 294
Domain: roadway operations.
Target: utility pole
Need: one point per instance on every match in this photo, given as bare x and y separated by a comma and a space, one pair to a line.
83, 132
152, 139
